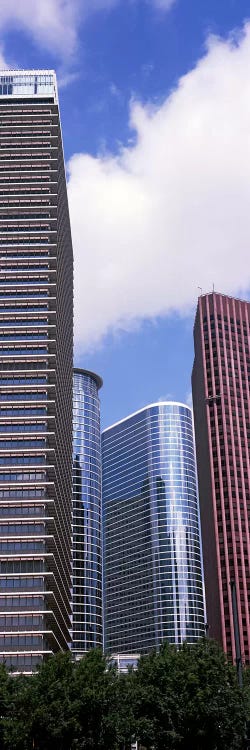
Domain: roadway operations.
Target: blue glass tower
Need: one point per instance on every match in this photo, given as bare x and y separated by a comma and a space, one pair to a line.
152, 558
87, 552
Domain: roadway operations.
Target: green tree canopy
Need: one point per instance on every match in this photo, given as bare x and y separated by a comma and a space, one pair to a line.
188, 699
178, 699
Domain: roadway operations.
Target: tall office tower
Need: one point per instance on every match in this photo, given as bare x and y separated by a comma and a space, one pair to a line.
36, 320
152, 560
221, 376
87, 545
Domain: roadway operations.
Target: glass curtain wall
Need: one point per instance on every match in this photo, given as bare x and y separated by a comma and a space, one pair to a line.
152, 558
87, 553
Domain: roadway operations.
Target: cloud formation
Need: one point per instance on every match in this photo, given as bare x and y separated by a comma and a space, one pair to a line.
54, 24
3, 62
163, 4
51, 23
171, 211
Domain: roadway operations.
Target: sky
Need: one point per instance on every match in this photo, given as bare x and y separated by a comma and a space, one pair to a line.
155, 111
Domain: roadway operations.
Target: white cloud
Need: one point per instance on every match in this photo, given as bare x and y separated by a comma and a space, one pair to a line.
171, 211
54, 24
65, 79
116, 92
3, 62
163, 4
51, 23
189, 399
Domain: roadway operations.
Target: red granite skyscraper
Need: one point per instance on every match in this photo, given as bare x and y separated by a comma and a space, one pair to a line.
220, 380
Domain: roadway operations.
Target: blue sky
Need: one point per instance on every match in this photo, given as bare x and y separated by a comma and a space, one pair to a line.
156, 120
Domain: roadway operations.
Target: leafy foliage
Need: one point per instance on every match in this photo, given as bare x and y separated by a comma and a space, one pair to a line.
178, 699
189, 699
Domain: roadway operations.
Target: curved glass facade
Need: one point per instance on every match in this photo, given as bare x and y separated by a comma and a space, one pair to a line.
152, 558
87, 552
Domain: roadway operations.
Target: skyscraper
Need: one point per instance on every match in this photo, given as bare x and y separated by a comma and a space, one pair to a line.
87, 546
152, 560
221, 376
36, 322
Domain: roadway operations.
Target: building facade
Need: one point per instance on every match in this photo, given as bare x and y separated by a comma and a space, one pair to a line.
152, 560
125, 662
221, 377
36, 341
87, 545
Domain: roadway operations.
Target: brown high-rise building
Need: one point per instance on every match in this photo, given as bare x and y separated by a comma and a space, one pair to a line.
221, 376
36, 321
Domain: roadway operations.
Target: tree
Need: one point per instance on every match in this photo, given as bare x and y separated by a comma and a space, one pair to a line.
5, 699
188, 699
53, 725
95, 703
65, 706
246, 690
125, 713
178, 699
17, 723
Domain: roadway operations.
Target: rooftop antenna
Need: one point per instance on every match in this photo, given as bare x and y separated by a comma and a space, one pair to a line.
213, 286
200, 288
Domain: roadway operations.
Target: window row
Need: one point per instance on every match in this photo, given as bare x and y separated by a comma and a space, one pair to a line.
21, 566
21, 460
22, 602
34, 492
22, 583
32, 476
21, 528
27, 622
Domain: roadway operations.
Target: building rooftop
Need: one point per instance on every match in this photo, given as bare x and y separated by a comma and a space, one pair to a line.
214, 293
98, 380
145, 408
21, 84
